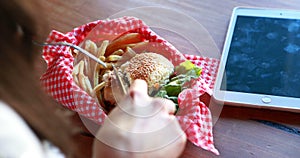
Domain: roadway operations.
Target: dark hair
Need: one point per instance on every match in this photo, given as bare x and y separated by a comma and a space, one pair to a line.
17, 27
20, 23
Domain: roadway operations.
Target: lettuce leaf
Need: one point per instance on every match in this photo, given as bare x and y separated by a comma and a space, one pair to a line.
184, 72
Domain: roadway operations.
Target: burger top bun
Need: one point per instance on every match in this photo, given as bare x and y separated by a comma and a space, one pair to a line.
154, 68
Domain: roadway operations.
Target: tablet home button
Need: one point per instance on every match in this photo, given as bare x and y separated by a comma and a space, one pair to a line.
266, 100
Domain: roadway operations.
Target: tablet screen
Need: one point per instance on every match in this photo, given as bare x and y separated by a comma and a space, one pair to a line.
264, 57
260, 63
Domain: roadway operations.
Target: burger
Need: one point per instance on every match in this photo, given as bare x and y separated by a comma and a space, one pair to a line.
154, 68
163, 78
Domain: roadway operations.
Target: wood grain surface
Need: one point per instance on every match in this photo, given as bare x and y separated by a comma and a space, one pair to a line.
239, 131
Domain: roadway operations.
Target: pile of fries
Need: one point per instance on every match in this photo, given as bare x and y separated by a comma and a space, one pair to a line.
114, 52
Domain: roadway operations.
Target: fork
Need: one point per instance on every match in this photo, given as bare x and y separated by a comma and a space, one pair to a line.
72, 46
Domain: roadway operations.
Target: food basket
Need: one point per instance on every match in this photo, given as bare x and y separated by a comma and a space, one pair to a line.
58, 80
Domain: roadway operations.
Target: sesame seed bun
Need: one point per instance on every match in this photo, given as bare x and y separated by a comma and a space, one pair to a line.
154, 68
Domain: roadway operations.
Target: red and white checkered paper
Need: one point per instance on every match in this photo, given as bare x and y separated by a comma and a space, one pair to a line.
194, 116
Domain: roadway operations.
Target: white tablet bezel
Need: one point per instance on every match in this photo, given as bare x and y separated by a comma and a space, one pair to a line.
247, 99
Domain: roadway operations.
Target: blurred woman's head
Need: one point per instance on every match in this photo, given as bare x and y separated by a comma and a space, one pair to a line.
21, 66
22, 21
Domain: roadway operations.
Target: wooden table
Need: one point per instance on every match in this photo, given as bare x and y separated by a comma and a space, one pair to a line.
239, 131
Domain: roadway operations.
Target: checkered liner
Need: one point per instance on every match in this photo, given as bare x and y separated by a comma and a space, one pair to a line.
194, 116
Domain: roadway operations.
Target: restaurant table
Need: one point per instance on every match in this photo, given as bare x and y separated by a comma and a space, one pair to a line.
238, 131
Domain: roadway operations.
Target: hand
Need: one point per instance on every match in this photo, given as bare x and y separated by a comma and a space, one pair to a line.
140, 126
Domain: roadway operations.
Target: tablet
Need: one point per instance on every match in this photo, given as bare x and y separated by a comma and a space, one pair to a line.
260, 63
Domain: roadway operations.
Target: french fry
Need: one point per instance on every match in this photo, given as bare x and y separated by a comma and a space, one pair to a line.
75, 79
81, 80
118, 52
113, 58
76, 68
80, 67
88, 85
99, 86
102, 58
129, 53
81, 76
131, 45
91, 47
140, 44
101, 50
96, 75
122, 40
108, 66
101, 101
